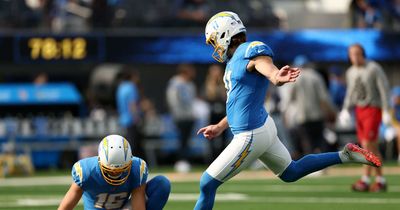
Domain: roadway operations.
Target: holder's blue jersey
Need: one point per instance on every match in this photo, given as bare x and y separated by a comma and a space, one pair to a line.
246, 90
97, 193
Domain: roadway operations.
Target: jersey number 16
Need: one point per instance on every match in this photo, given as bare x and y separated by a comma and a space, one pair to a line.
110, 201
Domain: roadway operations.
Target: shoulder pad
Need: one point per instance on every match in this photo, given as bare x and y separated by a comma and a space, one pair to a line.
143, 172
139, 167
258, 48
77, 174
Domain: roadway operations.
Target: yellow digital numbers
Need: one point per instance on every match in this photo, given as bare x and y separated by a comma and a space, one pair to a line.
53, 49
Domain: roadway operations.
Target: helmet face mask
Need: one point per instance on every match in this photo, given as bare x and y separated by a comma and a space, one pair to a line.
115, 159
219, 31
219, 53
115, 176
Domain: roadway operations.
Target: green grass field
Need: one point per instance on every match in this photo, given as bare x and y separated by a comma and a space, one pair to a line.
320, 193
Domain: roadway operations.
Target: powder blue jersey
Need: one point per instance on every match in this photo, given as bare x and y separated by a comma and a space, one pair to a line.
97, 193
246, 90
127, 94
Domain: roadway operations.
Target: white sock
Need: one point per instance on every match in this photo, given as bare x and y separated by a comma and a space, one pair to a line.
365, 179
343, 157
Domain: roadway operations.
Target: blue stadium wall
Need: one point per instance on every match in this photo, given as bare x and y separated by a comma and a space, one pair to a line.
172, 48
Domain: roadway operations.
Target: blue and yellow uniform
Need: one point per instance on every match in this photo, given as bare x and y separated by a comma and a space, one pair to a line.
97, 193
254, 132
246, 90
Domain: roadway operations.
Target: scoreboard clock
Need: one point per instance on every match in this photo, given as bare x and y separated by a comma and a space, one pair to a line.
33, 48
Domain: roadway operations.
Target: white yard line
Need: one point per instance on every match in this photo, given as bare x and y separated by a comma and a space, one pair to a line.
186, 177
222, 197
298, 188
219, 197
30, 202
35, 181
66, 180
319, 200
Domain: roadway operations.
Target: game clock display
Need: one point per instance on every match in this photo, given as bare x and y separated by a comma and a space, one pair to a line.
58, 48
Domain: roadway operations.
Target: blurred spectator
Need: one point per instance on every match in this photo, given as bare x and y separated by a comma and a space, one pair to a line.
70, 15
181, 94
372, 17
152, 123
150, 13
396, 117
391, 11
128, 106
380, 13
215, 95
82, 15
41, 78
365, 14
356, 13
257, 13
368, 92
102, 14
21, 13
237, 6
191, 12
337, 86
313, 105
275, 106
395, 14
262, 14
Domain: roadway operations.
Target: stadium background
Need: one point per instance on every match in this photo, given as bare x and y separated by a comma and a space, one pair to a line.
82, 45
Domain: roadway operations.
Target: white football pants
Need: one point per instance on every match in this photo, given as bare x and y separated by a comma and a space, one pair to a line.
248, 146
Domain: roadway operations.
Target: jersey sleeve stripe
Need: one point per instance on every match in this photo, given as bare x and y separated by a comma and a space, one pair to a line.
142, 170
77, 174
251, 45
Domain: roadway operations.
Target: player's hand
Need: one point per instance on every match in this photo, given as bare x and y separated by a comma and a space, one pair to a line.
287, 74
211, 131
386, 117
344, 118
